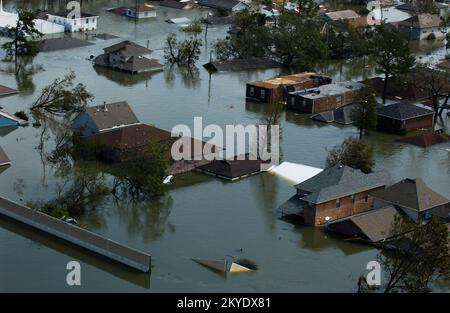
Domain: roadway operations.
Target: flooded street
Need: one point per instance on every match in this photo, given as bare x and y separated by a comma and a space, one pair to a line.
200, 216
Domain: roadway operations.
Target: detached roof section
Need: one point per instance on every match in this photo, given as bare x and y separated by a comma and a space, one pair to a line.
4, 160
340, 115
54, 44
220, 4
411, 193
426, 139
232, 169
403, 111
342, 15
294, 172
112, 115
242, 64
373, 226
340, 181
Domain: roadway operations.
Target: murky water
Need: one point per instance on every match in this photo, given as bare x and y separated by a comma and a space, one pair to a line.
201, 217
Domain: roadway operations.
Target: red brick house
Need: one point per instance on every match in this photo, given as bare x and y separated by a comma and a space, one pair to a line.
336, 192
403, 116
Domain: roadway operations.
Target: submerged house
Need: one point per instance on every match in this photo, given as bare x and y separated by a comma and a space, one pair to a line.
227, 5
422, 26
8, 119
181, 5
4, 160
373, 226
336, 192
403, 116
103, 118
232, 169
426, 139
341, 115
129, 57
140, 11
341, 15
273, 90
325, 97
414, 198
72, 23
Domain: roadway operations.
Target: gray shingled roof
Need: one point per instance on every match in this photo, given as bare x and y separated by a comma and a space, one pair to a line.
340, 181
422, 21
53, 44
128, 49
411, 193
402, 111
219, 4
117, 114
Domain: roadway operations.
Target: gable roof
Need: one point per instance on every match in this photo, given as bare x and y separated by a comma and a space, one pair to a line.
221, 4
411, 193
140, 63
340, 115
10, 116
116, 115
402, 111
232, 168
128, 49
4, 160
375, 224
424, 20
340, 181
5, 91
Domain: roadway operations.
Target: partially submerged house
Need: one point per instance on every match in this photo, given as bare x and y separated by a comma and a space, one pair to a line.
140, 11
373, 226
72, 22
4, 160
252, 63
422, 26
336, 192
6, 91
403, 116
181, 5
129, 57
232, 169
426, 139
325, 97
341, 115
341, 15
442, 9
103, 118
413, 197
227, 5
402, 87
295, 173
276, 89
8, 119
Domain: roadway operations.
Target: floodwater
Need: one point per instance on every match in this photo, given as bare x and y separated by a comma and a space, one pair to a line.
200, 217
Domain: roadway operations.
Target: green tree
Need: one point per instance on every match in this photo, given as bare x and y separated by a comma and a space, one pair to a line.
297, 41
392, 55
418, 256
184, 53
364, 114
354, 153
62, 97
307, 8
23, 35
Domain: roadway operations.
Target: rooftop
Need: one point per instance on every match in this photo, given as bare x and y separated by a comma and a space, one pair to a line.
6, 91
283, 80
340, 181
234, 168
128, 49
53, 44
411, 193
402, 111
65, 14
426, 139
222, 4
424, 20
112, 115
342, 15
329, 90
410, 6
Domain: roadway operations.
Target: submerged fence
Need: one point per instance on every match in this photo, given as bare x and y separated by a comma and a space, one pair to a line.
76, 235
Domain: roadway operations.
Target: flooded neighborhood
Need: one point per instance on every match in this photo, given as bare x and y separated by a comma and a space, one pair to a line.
355, 121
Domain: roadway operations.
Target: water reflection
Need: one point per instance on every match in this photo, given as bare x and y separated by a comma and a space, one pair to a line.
189, 75
125, 79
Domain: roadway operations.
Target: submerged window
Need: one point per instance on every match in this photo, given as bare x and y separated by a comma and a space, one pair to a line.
252, 91
338, 203
366, 198
263, 94
353, 198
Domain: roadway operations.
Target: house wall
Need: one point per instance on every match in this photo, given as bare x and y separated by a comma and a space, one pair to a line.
75, 25
393, 126
143, 14
84, 123
261, 94
317, 213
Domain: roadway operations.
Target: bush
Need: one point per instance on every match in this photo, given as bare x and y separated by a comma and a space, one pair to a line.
22, 115
194, 27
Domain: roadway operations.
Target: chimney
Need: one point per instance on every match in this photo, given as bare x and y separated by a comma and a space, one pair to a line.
105, 109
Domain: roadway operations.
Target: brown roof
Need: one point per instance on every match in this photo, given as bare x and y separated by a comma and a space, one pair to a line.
375, 224
4, 160
116, 115
232, 168
128, 49
426, 139
140, 63
411, 193
424, 20
283, 80
4, 91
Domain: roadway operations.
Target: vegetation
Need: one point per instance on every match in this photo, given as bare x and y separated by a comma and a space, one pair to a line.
364, 115
354, 153
195, 27
184, 53
392, 55
62, 97
418, 257
22, 115
23, 36
50, 209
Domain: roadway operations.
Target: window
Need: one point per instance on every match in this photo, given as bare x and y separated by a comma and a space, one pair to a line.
366, 198
338, 203
252, 91
93, 20
75, 23
263, 94
146, 13
353, 198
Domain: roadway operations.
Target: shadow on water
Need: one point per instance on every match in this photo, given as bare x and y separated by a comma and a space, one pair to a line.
78, 253
6, 130
125, 79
